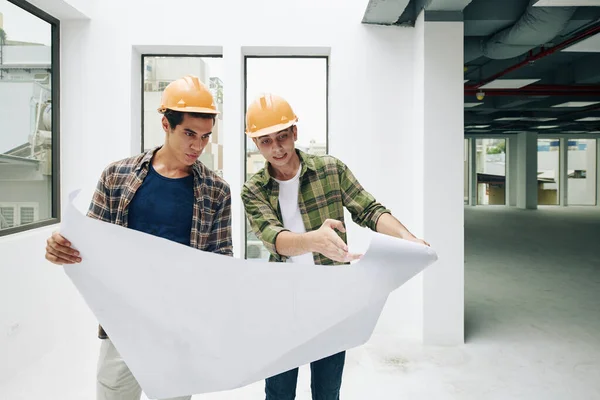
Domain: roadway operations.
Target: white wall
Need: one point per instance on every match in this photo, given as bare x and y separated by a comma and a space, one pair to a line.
371, 96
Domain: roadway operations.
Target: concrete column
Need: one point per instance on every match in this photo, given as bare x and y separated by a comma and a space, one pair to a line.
563, 164
512, 170
598, 172
527, 195
473, 172
439, 56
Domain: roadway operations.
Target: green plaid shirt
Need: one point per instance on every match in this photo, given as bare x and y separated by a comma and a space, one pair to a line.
326, 187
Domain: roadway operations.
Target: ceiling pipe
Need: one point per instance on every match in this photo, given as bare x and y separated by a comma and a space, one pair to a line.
544, 53
535, 27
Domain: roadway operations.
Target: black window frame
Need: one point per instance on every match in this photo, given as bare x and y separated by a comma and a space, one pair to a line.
55, 217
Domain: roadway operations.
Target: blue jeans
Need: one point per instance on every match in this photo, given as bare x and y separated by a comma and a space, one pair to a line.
326, 379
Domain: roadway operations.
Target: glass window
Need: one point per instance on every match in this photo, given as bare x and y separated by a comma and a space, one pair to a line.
302, 81
548, 171
582, 172
29, 156
491, 171
158, 72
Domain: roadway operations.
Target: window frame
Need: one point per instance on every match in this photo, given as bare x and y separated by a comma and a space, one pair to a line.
55, 215
245, 102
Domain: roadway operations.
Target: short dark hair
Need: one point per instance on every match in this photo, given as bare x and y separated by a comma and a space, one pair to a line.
176, 117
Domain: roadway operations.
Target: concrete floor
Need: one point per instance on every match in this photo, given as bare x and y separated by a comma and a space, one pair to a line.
532, 319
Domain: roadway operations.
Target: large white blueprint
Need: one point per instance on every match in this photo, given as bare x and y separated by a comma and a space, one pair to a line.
189, 322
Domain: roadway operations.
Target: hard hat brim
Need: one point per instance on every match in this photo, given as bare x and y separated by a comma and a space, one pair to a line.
271, 129
201, 110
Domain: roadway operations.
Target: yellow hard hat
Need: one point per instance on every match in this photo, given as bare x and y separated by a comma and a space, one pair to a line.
188, 94
269, 114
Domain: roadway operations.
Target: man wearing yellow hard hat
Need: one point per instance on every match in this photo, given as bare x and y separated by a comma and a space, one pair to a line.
158, 192
295, 205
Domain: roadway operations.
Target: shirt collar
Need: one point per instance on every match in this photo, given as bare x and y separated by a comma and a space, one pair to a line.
306, 163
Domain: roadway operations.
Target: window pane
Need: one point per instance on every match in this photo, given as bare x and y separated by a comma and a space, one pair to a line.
158, 73
7, 217
548, 171
27, 215
303, 83
25, 116
582, 172
491, 171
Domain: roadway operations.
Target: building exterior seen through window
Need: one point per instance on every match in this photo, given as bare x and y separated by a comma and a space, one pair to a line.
28, 132
158, 72
302, 81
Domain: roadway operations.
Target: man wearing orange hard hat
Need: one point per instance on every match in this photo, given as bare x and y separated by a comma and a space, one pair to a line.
295, 206
158, 192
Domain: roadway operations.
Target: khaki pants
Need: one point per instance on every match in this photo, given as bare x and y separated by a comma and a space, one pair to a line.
115, 381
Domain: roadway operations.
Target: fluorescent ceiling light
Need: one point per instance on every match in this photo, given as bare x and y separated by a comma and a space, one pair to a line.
540, 119
466, 80
471, 105
478, 130
515, 131
546, 127
587, 45
576, 104
508, 83
588, 119
574, 131
478, 126
567, 3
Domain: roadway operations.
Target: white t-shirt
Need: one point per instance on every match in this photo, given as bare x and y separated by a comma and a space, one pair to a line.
290, 211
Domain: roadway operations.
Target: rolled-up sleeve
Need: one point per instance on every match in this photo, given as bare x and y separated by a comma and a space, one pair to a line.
263, 221
363, 207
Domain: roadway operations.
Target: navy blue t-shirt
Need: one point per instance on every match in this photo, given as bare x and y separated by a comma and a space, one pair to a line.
163, 207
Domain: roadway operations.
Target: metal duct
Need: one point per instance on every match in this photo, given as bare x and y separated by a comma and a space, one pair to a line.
537, 26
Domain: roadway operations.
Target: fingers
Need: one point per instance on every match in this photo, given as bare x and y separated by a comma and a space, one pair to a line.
352, 257
337, 241
334, 223
338, 251
58, 257
58, 238
58, 250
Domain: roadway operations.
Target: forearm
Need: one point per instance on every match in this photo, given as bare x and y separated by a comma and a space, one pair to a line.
291, 244
389, 225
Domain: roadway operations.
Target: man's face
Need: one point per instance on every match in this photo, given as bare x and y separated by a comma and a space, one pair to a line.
189, 138
278, 148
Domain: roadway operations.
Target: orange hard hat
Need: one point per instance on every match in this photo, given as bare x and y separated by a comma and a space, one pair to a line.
188, 94
269, 114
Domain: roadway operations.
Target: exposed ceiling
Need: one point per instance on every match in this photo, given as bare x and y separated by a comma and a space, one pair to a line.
538, 67
542, 67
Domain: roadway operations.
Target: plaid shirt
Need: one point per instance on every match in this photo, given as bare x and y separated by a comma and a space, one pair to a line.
211, 219
326, 186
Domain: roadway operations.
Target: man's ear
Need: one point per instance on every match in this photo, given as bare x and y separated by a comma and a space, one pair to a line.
165, 124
